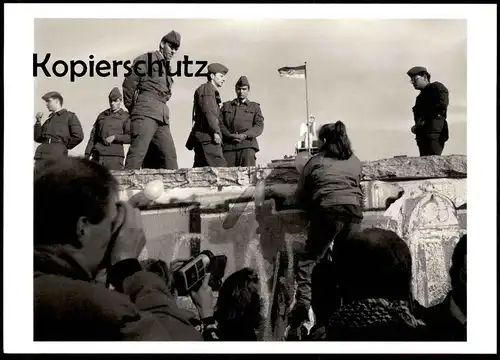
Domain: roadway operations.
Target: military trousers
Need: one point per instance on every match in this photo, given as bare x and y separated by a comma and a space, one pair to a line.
241, 157
109, 162
144, 131
429, 147
323, 230
208, 154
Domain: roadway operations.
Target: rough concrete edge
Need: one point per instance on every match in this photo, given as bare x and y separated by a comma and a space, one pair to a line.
393, 169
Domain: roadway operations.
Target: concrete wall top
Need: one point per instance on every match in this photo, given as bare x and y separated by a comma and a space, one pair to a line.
284, 172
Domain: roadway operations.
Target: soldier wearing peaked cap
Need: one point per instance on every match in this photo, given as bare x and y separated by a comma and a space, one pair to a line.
110, 131
429, 112
241, 122
62, 131
206, 136
145, 94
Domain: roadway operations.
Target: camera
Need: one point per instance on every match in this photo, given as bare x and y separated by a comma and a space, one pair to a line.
188, 276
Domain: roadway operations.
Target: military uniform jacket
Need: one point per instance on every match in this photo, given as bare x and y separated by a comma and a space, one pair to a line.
147, 95
241, 119
62, 129
430, 111
109, 123
206, 112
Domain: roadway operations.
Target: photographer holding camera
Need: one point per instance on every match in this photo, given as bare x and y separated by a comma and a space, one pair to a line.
80, 228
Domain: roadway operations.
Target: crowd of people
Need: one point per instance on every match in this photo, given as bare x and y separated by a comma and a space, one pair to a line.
222, 133
357, 282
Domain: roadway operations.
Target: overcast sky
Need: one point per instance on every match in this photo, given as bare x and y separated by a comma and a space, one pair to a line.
356, 73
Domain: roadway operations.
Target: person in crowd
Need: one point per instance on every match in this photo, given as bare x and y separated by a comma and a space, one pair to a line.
238, 312
62, 131
329, 192
80, 228
110, 131
374, 272
448, 319
205, 138
429, 112
241, 122
146, 91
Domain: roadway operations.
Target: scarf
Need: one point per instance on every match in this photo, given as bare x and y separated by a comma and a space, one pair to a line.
366, 313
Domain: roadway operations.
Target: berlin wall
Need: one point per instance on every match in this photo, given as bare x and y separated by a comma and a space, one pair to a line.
423, 199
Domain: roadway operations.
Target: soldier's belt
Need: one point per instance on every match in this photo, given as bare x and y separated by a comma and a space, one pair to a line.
154, 95
52, 141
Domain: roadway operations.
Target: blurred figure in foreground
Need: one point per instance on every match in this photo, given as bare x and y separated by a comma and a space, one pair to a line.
329, 192
238, 313
80, 228
448, 320
374, 272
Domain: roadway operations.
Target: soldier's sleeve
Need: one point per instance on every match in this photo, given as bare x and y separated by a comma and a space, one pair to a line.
125, 137
440, 100
91, 142
132, 81
210, 109
223, 128
75, 132
38, 132
258, 124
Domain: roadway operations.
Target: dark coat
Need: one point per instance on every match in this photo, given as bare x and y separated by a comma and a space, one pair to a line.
64, 131
430, 111
109, 123
147, 95
69, 306
246, 119
326, 182
441, 322
206, 112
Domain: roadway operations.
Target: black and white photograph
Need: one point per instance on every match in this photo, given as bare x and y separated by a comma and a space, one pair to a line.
280, 178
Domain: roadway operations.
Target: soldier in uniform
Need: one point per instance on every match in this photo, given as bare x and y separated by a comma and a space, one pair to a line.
145, 94
62, 131
206, 137
111, 130
430, 112
241, 122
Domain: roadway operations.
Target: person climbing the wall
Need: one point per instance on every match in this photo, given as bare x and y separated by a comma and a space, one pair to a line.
329, 191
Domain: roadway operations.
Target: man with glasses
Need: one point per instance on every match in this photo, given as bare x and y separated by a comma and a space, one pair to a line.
146, 91
430, 112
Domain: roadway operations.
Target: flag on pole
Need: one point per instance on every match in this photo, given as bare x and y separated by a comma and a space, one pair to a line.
296, 72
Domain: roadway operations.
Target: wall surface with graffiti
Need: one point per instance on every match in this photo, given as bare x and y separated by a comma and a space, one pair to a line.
423, 199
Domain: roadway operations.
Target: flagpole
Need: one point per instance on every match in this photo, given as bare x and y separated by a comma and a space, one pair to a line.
307, 110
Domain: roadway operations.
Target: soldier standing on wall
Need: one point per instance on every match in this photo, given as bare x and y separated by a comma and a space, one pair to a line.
206, 137
111, 130
430, 111
62, 131
145, 94
241, 122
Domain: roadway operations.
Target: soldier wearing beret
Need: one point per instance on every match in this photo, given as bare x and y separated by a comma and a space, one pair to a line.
429, 112
110, 131
62, 131
145, 94
206, 136
241, 122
